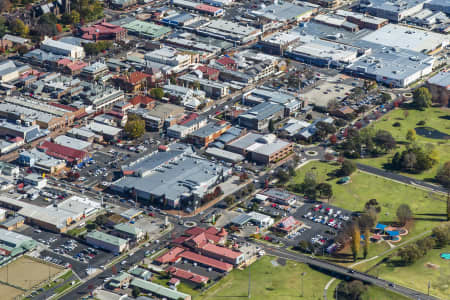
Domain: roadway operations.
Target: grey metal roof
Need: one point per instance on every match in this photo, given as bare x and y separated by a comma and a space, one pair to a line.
208, 129
441, 79
262, 111
241, 219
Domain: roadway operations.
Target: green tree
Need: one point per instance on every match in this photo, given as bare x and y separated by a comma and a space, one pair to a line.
135, 127
230, 200
325, 190
384, 140
366, 243
157, 93
443, 177
386, 97
347, 168
74, 17
136, 291
18, 27
404, 214
271, 126
441, 235
411, 135
101, 220
422, 98
283, 176
356, 240
409, 254
353, 290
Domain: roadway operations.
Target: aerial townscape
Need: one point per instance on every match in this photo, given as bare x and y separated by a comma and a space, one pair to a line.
225, 149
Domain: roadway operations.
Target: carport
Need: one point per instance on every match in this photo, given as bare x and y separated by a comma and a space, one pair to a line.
241, 220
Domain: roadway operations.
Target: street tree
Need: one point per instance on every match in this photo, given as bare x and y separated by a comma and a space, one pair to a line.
404, 214
356, 240
18, 27
443, 177
157, 93
230, 200
271, 126
325, 190
135, 127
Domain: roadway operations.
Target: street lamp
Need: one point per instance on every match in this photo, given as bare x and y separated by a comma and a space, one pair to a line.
302, 275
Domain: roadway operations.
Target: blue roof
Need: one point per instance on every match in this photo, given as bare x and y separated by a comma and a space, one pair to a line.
393, 233
380, 226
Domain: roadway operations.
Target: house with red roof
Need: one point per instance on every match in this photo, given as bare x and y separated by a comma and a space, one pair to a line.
206, 261
70, 67
170, 257
209, 73
142, 101
187, 276
103, 31
133, 82
227, 62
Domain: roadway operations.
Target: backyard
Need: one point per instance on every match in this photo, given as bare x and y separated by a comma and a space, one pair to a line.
434, 118
428, 208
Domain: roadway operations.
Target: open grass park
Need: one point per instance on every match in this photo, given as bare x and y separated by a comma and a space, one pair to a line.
437, 119
279, 279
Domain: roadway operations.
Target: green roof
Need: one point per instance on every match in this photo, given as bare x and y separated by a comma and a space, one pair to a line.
107, 238
158, 289
138, 272
120, 277
147, 29
128, 228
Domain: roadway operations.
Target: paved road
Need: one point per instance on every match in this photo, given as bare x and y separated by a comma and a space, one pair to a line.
343, 271
400, 178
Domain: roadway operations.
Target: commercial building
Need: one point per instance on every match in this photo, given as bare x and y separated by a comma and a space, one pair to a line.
13, 223
177, 60
106, 241
224, 155
55, 218
207, 262
208, 133
279, 196
363, 20
129, 231
324, 53
171, 256
174, 178
230, 31
180, 19
394, 10
439, 86
407, 37
133, 82
61, 48
259, 95
147, 30
84, 135
15, 132
11, 70
35, 180
121, 4
40, 161
287, 224
103, 31
278, 43
200, 8
13, 244
285, 12
100, 97
212, 88
260, 220
158, 290
163, 115
188, 276
94, 71
438, 5
70, 155
73, 143
260, 148
31, 112
109, 133
259, 116
391, 66
186, 126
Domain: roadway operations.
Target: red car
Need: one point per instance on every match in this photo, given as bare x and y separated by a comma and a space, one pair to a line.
151, 214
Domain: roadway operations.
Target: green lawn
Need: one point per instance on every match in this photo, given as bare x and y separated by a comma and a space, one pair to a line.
437, 118
416, 276
182, 287
373, 293
270, 282
429, 208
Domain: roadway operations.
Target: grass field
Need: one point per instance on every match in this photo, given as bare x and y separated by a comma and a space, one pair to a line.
25, 272
416, 276
373, 293
437, 118
429, 208
270, 282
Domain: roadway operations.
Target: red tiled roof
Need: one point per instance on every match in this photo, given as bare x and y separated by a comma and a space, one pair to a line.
114, 113
64, 61
219, 265
170, 256
226, 61
141, 99
174, 280
63, 152
102, 28
207, 70
63, 106
207, 8
188, 118
221, 251
194, 231
187, 275
135, 77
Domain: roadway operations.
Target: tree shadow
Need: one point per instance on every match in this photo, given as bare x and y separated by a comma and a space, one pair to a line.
445, 117
436, 215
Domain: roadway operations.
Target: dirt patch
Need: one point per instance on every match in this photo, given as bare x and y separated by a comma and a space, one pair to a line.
281, 261
9, 293
432, 266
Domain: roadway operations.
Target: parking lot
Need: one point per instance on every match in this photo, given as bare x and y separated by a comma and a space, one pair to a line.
66, 251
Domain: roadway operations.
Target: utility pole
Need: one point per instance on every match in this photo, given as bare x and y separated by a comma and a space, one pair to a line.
302, 275
337, 287
429, 285
249, 281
